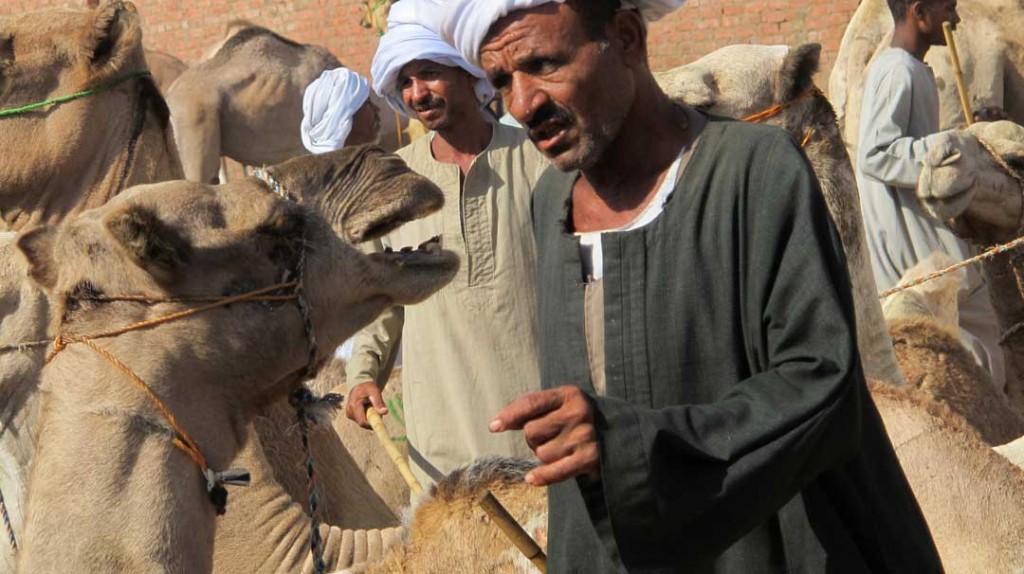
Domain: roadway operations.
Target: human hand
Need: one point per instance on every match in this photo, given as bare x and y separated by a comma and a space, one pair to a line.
990, 114
360, 397
559, 427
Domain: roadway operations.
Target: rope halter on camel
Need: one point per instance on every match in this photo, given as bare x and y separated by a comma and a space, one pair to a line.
77, 95
777, 109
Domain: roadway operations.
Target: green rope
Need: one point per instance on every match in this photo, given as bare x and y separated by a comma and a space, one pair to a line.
75, 96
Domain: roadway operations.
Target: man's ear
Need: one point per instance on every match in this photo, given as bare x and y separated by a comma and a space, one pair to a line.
36, 245
627, 29
152, 244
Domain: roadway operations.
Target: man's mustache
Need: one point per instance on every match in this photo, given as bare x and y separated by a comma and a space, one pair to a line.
427, 105
551, 112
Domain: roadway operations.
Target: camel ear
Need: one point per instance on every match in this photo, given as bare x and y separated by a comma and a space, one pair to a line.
797, 73
152, 244
113, 35
36, 245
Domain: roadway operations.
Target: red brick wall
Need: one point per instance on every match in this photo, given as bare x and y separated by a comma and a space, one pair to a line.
185, 28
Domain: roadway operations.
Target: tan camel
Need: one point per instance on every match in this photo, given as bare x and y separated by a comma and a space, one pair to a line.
924, 326
991, 51
165, 68
449, 532
245, 101
25, 311
740, 81
970, 495
72, 156
57, 162
177, 240
964, 184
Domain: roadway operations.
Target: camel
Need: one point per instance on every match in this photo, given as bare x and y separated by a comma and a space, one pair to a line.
59, 161
165, 68
979, 196
970, 495
245, 101
739, 81
988, 42
178, 240
924, 326
77, 155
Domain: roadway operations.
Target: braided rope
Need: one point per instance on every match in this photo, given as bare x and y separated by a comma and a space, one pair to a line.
61, 99
7, 524
987, 254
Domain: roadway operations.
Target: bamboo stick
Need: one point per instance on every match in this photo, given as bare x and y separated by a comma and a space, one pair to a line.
961, 88
513, 530
398, 129
377, 424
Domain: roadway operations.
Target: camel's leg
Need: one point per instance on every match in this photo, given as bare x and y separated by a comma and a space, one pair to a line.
197, 132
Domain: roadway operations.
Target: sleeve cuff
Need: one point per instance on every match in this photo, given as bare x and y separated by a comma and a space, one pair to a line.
626, 515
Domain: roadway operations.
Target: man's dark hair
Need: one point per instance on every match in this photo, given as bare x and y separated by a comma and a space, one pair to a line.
596, 14
899, 8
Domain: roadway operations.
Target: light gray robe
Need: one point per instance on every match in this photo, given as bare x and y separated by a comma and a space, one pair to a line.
899, 123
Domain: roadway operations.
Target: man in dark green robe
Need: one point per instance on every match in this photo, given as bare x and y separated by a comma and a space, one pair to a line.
704, 408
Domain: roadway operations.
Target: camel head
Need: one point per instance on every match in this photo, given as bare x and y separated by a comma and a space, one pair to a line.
186, 240
935, 299
963, 184
53, 53
739, 80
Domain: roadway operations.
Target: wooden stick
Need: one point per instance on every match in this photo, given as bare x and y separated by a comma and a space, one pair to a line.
513, 530
377, 424
947, 29
398, 128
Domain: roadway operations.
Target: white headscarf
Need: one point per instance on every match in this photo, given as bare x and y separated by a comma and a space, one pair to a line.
328, 106
465, 23
410, 37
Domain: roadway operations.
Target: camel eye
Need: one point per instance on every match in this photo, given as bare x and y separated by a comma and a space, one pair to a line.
6, 50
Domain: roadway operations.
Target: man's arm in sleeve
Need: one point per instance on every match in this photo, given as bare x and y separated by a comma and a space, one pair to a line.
683, 483
886, 153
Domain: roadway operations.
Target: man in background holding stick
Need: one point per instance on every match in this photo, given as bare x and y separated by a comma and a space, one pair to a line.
461, 346
899, 121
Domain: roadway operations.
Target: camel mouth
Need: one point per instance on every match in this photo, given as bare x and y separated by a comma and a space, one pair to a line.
370, 224
949, 205
427, 253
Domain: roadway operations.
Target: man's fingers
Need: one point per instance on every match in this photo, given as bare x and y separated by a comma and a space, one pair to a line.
583, 462
526, 408
565, 445
378, 402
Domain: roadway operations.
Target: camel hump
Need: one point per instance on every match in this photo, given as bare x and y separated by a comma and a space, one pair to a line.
489, 472
239, 33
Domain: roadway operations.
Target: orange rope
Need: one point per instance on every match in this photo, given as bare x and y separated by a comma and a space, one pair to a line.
257, 295
182, 440
779, 108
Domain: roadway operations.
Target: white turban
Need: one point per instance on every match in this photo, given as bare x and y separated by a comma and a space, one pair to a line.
410, 37
465, 23
328, 106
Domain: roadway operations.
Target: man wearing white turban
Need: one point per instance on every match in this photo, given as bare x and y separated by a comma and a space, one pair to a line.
337, 111
704, 408
460, 345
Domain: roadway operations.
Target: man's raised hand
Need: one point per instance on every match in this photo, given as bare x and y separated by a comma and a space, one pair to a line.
559, 427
